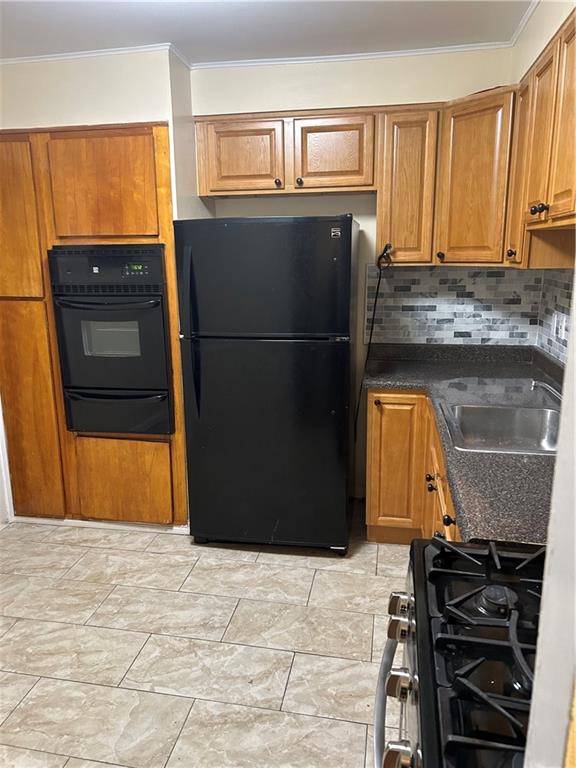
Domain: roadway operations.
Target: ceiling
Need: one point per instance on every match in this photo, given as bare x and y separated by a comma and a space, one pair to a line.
224, 31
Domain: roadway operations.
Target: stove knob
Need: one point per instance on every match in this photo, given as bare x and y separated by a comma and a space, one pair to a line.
398, 754
399, 603
399, 683
398, 629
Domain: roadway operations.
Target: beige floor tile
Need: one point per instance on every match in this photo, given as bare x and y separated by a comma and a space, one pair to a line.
392, 734
132, 728
208, 670
254, 581
70, 652
24, 532
140, 569
361, 558
166, 613
393, 560
35, 558
14, 757
13, 688
298, 628
5, 624
166, 543
379, 641
74, 762
338, 688
100, 537
228, 736
49, 599
352, 592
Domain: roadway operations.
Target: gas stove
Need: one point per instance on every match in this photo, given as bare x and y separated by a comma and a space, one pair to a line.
469, 621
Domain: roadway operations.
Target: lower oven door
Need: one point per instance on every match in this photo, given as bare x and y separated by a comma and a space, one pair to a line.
112, 342
138, 412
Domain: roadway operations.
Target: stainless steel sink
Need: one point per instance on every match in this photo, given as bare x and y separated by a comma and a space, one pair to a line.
502, 429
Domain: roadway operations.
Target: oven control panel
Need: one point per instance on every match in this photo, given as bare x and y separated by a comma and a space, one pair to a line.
107, 265
136, 269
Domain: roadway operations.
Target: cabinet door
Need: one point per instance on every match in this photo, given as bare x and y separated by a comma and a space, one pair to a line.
473, 173
127, 480
334, 151
544, 80
515, 211
240, 156
29, 410
406, 199
395, 466
20, 255
103, 183
562, 190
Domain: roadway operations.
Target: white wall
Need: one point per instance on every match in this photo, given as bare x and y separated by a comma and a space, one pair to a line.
119, 88
6, 508
539, 30
556, 660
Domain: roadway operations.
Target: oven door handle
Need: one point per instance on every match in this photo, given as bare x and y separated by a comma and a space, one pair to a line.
70, 304
81, 396
380, 702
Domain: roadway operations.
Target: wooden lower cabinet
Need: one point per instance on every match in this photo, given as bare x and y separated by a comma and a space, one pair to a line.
29, 409
124, 480
407, 493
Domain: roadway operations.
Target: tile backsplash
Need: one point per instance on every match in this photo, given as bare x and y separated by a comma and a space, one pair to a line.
454, 305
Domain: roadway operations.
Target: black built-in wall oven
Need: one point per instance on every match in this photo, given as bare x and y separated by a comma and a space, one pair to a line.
111, 317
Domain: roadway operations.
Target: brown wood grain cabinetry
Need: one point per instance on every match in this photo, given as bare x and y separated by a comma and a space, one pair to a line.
103, 183
246, 155
440, 507
472, 178
126, 480
334, 151
20, 253
395, 458
514, 245
406, 183
28, 404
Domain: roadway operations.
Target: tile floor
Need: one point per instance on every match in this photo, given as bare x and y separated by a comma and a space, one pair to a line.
142, 650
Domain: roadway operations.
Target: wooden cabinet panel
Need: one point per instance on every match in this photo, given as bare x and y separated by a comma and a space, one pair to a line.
562, 189
126, 480
29, 410
544, 79
473, 173
334, 151
20, 254
237, 156
395, 465
440, 503
103, 183
408, 169
515, 214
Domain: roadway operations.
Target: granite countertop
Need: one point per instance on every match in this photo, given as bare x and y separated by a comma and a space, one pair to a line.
496, 495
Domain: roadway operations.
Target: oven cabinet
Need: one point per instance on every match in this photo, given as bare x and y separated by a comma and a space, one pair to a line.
440, 515
124, 480
395, 494
29, 409
103, 182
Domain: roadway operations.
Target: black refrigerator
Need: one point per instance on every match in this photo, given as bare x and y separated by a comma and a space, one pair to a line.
265, 327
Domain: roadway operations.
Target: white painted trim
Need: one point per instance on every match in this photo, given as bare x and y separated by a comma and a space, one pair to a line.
99, 52
111, 526
524, 20
6, 504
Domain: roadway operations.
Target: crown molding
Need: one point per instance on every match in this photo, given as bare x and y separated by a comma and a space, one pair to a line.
96, 54
523, 21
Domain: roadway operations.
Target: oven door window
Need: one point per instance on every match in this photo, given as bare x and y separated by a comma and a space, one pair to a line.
111, 338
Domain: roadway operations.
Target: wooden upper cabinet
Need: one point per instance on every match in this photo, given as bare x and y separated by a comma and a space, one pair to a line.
28, 404
103, 183
544, 78
562, 188
334, 151
20, 254
235, 156
473, 174
515, 218
406, 179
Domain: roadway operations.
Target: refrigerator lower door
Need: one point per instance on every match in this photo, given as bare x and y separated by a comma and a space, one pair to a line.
267, 439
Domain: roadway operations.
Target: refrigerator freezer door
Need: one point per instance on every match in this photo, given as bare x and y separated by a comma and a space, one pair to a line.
267, 434
276, 277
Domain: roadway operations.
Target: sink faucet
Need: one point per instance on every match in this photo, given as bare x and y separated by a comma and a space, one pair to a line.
547, 387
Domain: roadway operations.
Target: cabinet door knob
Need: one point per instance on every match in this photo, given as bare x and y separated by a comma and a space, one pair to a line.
541, 207
300, 181
510, 253
377, 402
432, 487
278, 182
447, 520
533, 210
429, 478
441, 255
